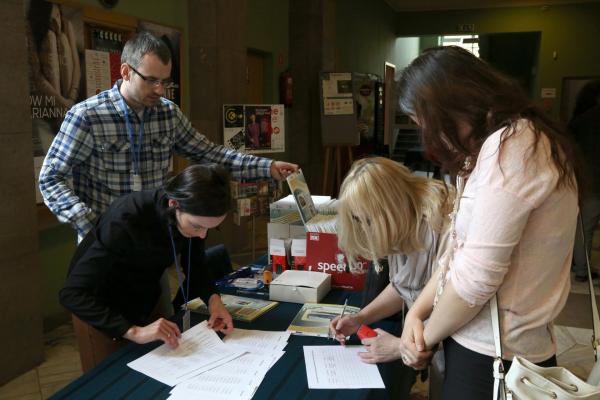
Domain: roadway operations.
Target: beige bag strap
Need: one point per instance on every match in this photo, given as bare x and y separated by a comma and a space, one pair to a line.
595, 319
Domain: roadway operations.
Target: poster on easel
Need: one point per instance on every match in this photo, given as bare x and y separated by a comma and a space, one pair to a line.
254, 128
337, 92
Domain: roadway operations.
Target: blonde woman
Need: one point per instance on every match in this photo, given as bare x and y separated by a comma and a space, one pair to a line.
387, 212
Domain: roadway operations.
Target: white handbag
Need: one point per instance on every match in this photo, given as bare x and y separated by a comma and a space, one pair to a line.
528, 381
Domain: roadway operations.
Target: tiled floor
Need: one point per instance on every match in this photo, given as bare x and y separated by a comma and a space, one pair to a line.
62, 366
62, 363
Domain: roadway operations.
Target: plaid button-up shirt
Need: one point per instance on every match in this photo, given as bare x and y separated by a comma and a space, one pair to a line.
92, 147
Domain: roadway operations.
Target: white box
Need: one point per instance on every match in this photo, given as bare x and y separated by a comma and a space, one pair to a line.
300, 287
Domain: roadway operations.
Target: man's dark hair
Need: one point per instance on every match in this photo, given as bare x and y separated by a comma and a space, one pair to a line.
141, 44
200, 190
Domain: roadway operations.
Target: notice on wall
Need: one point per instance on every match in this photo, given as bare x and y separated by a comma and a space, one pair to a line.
337, 94
548, 93
97, 72
254, 128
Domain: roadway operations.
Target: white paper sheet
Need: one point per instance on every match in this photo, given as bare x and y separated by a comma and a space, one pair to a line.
200, 349
238, 379
339, 367
258, 341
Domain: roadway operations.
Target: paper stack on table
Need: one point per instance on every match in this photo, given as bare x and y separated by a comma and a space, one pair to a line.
339, 367
204, 366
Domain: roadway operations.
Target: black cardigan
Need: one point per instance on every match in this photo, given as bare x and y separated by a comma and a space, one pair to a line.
113, 280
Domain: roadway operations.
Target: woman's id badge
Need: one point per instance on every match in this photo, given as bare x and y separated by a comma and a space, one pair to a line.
186, 320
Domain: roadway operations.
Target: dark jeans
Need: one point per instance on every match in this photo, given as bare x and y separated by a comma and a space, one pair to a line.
469, 375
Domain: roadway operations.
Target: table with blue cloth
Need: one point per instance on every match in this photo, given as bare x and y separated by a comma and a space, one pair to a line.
113, 379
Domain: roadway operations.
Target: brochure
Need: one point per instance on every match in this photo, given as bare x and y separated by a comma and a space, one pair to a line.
322, 220
313, 319
240, 308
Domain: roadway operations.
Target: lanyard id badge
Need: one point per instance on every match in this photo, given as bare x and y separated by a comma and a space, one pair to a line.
184, 293
186, 319
136, 182
136, 148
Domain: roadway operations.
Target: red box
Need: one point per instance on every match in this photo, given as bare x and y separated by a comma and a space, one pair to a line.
323, 255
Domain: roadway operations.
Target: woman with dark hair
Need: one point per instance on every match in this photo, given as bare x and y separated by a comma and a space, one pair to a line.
113, 285
513, 222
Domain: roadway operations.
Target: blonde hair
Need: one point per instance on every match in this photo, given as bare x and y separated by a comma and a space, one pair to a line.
383, 207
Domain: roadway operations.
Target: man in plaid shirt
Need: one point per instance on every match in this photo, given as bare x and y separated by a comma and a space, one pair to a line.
122, 140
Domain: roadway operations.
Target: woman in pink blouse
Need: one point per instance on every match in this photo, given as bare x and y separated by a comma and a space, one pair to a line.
514, 226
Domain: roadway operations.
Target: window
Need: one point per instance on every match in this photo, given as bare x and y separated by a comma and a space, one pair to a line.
467, 42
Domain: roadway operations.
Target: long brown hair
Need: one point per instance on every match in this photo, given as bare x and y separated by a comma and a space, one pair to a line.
446, 86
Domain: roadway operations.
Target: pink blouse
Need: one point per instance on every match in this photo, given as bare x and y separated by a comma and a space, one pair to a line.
515, 233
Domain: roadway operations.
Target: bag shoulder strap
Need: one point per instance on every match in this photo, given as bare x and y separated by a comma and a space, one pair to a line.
594, 306
499, 384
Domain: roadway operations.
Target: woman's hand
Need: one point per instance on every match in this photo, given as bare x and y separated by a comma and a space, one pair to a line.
385, 347
161, 329
220, 319
343, 327
412, 345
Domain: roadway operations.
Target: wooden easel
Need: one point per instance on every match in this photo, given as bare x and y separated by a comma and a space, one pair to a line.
333, 156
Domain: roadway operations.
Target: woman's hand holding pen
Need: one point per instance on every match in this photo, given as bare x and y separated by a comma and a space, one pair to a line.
220, 319
161, 329
341, 327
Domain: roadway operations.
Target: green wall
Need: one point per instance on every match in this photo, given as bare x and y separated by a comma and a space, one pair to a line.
570, 30
365, 36
267, 30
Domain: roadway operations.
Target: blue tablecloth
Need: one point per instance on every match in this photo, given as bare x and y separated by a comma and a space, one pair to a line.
112, 379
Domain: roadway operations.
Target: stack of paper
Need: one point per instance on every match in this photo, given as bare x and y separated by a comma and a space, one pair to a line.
339, 367
205, 367
200, 349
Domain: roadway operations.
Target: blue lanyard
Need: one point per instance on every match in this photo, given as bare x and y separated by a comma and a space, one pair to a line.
179, 279
136, 149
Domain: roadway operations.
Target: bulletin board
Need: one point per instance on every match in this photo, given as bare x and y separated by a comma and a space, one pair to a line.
338, 113
349, 108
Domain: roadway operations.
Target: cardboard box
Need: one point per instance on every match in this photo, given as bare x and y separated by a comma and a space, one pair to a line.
300, 287
323, 255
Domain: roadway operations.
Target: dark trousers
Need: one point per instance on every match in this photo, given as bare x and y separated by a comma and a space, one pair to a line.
469, 375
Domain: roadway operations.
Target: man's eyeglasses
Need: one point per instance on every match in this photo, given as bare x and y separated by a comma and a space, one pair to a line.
166, 83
